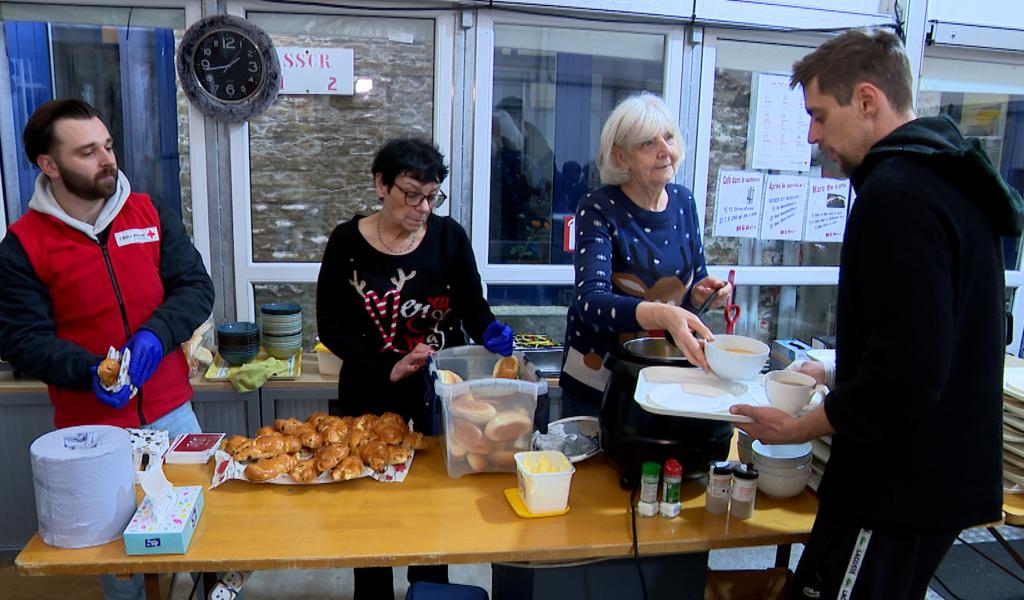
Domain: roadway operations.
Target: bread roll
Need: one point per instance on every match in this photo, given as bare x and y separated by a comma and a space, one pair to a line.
503, 459
508, 425
477, 462
470, 437
448, 377
465, 407
456, 450
507, 367
108, 371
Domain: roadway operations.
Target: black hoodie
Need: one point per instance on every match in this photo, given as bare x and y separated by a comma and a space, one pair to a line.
917, 405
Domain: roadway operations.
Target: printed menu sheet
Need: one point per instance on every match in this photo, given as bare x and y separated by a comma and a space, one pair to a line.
785, 202
738, 203
827, 203
779, 125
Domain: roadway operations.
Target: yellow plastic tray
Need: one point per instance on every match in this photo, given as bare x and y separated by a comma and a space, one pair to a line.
221, 371
512, 495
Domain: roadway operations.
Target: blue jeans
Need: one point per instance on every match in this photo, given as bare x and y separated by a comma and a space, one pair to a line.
178, 421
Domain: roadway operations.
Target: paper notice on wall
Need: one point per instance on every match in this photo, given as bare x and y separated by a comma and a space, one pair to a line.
738, 204
778, 125
785, 202
827, 203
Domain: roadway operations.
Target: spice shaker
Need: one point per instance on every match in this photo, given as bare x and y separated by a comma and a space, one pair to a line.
672, 477
744, 491
719, 487
647, 506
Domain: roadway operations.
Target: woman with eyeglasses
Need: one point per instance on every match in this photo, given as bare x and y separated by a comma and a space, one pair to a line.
395, 287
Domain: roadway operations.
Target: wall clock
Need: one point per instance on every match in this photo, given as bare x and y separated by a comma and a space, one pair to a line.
228, 68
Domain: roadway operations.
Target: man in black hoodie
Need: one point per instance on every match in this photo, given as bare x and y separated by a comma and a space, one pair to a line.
916, 407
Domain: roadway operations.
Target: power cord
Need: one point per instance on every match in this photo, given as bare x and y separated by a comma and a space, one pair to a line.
636, 547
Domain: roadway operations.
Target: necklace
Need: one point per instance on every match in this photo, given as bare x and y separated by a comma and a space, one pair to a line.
406, 250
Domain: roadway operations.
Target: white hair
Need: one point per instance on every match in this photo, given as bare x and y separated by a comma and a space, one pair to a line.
636, 119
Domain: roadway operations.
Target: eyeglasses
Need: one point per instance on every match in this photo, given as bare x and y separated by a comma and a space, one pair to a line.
434, 199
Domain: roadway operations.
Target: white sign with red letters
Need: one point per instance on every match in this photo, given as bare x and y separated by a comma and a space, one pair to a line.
321, 71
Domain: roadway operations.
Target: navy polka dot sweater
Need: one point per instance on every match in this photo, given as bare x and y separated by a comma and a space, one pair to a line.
624, 255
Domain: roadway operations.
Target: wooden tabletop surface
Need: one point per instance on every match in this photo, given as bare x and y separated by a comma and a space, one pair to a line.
428, 519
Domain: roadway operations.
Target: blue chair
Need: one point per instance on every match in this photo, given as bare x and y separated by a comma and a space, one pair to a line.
425, 590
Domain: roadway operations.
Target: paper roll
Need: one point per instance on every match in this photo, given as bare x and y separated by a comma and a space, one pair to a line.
84, 485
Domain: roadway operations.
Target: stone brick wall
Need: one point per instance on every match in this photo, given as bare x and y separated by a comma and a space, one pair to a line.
310, 156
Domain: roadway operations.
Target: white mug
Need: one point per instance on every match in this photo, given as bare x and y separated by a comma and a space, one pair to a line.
790, 391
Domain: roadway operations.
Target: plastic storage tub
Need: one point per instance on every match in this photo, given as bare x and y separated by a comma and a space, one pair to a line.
544, 478
486, 420
327, 362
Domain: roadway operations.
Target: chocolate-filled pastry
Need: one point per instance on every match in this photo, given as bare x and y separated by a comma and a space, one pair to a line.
356, 438
413, 441
316, 418
397, 455
331, 421
266, 469
375, 454
334, 435
305, 471
350, 468
292, 444
328, 457
289, 426
364, 422
233, 443
265, 430
311, 439
108, 371
390, 434
390, 419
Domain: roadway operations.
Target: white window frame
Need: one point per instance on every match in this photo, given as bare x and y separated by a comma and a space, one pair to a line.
1014, 277
673, 67
249, 272
195, 125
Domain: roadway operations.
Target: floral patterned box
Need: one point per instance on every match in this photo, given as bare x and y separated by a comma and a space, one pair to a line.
171, 535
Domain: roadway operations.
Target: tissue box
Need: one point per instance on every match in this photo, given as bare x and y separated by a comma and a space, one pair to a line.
171, 536
787, 351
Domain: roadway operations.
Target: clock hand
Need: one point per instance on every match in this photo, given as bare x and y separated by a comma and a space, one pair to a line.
225, 67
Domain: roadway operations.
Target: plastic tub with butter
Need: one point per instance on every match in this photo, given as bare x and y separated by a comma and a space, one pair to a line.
544, 477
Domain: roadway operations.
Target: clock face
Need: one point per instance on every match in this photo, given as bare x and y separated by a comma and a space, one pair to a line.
228, 65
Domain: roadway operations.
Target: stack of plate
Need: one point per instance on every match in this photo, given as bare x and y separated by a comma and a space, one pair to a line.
820, 449
1013, 430
281, 328
238, 342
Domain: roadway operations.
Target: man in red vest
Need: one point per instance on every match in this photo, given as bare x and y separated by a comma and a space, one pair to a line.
93, 265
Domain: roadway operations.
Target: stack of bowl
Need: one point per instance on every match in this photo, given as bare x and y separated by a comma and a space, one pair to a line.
238, 342
784, 468
282, 328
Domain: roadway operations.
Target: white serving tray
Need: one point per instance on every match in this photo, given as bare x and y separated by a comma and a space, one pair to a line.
688, 392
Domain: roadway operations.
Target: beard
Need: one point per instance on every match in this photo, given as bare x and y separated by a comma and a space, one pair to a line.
94, 188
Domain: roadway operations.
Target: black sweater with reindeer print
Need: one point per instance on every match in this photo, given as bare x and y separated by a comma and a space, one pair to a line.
373, 308
624, 255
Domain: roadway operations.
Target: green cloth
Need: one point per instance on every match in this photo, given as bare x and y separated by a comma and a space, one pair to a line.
251, 377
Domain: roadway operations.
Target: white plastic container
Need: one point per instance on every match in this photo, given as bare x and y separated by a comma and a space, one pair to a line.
326, 361
544, 492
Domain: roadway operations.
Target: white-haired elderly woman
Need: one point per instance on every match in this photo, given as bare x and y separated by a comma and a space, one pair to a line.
639, 260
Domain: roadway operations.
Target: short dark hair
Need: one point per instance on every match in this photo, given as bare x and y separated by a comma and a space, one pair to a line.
38, 134
872, 56
416, 158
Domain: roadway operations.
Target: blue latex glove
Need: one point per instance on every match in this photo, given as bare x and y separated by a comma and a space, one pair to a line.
115, 399
498, 338
147, 352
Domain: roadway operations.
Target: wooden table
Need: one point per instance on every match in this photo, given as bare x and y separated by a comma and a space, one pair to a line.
428, 519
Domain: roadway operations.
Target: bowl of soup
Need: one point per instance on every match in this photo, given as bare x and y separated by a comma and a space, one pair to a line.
736, 357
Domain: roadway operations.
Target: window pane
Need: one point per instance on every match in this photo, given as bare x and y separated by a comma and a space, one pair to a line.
310, 155
128, 75
303, 294
785, 312
997, 121
553, 89
736, 65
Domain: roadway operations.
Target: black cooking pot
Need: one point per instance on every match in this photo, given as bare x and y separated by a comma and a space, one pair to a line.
631, 436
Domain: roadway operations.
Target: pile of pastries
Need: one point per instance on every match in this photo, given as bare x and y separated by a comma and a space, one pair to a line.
341, 446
